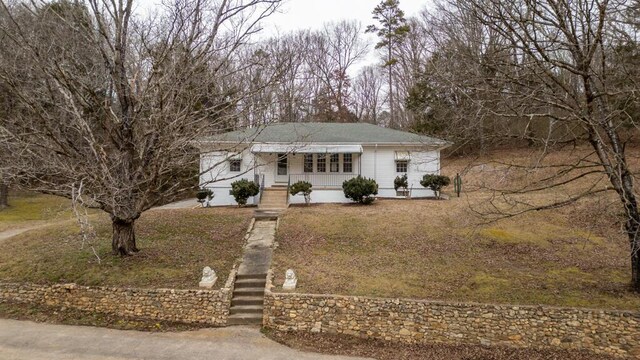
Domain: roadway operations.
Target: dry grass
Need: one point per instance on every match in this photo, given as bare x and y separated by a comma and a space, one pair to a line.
572, 256
29, 209
175, 246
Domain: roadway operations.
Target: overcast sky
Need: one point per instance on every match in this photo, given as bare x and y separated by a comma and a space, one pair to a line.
301, 14
311, 14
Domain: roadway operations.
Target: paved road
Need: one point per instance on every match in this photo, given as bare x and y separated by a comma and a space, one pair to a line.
28, 340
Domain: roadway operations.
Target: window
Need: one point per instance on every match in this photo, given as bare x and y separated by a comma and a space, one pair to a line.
321, 163
347, 163
402, 166
234, 165
308, 163
334, 163
282, 164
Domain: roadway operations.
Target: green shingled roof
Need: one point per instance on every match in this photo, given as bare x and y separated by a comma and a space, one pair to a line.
329, 133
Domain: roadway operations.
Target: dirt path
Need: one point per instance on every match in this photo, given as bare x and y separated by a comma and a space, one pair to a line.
7, 234
4, 235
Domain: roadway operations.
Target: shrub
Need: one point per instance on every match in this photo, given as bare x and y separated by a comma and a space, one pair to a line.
243, 189
302, 187
435, 183
360, 189
204, 196
401, 182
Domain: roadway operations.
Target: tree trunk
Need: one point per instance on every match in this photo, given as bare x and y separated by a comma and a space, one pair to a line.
124, 237
392, 123
632, 227
4, 195
635, 264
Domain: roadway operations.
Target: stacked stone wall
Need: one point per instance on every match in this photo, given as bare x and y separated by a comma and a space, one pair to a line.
200, 306
418, 321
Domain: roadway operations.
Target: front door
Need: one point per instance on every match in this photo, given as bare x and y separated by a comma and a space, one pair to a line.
282, 169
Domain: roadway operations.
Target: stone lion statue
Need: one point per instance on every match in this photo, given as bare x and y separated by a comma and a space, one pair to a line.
208, 277
289, 275
208, 274
290, 280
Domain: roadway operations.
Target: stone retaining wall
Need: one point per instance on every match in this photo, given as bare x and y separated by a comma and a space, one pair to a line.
417, 321
187, 306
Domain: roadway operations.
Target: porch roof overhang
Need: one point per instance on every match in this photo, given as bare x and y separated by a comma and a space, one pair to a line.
306, 149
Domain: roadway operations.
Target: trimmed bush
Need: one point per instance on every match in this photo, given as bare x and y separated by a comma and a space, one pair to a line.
204, 196
401, 182
435, 183
360, 189
244, 189
302, 187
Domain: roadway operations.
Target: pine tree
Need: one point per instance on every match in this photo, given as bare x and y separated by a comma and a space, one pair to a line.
392, 29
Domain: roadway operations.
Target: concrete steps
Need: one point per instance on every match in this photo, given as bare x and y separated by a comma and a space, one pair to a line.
245, 319
267, 214
247, 301
246, 309
274, 198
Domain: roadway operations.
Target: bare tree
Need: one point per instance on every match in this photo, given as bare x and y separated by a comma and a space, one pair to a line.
367, 89
333, 50
114, 100
562, 61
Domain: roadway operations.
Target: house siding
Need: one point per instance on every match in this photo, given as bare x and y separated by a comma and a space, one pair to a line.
377, 162
215, 175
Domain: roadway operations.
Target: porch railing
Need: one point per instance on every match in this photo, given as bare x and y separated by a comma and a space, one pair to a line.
328, 180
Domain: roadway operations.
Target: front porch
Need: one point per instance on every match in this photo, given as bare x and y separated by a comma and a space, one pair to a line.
322, 181
325, 171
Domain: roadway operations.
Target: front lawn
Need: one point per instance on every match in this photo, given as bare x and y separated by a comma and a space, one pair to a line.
175, 246
429, 249
28, 209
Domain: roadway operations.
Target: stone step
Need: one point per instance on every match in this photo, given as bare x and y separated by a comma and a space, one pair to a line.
276, 203
250, 291
250, 283
269, 210
251, 276
273, 204
266, 215
244, 319
247, 301
276, 210
246, 309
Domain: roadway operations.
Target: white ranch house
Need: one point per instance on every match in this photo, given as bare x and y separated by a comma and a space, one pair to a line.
324, 154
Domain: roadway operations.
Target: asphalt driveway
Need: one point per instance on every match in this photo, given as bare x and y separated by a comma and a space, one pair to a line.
29, 340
